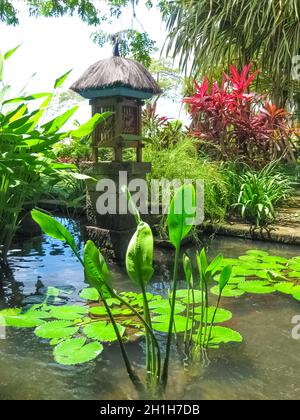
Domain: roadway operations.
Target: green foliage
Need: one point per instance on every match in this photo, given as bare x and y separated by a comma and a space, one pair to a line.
260, 192
181, 215
26, 163
76, 351
238, 32
139, 257
181, 162
261, 274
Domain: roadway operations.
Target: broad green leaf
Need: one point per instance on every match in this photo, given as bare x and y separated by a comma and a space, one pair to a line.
14, 318
58, 82
57, 123
182, 214
102, 331
76, 351
215, 265
163, 307
11, 52
225, 277
222, 315
70, 313
87, 128
285, 287
256, 287
32, 97
53, 228
257, 253
96, 270
56, 329
139, 257
228, 291
90, 293
183, 294
224, 335
161, 323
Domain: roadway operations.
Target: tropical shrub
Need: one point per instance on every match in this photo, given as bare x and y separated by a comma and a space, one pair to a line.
25, 152
260, 193
237, 122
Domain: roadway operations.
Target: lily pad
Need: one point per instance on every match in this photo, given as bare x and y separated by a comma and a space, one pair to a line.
69, 313
222, 315
90, 294
224, 335
183, 295
102, 331
76, 351
161, 323
285, 287
257, 287
228, 291
56, 329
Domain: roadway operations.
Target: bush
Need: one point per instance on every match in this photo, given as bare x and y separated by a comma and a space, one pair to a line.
260, 193
181, 161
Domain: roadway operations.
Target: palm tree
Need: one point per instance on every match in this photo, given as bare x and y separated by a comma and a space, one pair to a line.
206, 33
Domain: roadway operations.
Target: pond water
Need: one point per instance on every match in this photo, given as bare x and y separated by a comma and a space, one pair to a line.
265, 366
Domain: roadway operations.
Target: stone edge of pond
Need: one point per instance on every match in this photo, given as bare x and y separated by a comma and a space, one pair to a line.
275, 233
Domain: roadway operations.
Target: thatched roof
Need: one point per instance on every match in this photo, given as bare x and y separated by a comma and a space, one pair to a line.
116, 72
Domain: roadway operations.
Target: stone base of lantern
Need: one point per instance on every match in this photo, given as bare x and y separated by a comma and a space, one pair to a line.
111, 232
113, 244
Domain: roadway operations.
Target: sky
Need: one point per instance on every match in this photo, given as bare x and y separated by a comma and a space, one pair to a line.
52, 46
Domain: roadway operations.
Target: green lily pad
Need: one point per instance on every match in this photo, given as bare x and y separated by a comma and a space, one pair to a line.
102, 331
257, 253
184, 296
14, 318
76, 351
285, 287
294, 274
257, 287
161, 323
90, 293
222, 315
69, 313
232, 280
56, 329
228, 291
163, 307
224, 335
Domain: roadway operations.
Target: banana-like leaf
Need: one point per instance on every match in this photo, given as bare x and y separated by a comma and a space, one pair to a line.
180, 222
53, 228
96, 270
139, 257
58, 82
87, 128
57, 123
11, 52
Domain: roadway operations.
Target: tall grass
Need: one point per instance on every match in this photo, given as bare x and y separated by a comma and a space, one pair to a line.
181, 161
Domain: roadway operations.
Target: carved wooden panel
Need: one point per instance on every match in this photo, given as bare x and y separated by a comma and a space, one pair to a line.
130, 120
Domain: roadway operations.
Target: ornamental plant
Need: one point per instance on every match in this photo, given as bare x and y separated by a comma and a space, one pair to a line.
26, 141
237, 122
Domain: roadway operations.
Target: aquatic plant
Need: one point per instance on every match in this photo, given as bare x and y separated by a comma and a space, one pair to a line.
78, 333
257, 272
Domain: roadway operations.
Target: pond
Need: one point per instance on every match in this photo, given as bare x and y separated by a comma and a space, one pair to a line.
265, 366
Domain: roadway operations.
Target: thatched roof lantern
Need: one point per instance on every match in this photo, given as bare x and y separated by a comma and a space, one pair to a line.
119, 85
117, 76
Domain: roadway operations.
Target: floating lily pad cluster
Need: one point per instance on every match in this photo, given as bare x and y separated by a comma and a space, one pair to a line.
78, 333
258, 272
